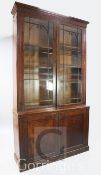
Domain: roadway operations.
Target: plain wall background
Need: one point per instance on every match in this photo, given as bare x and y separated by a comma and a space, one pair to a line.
88, 10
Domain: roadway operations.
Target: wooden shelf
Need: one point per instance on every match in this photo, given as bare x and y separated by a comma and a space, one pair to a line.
69, 48
37, 67
39, 48
39, 79
69, 66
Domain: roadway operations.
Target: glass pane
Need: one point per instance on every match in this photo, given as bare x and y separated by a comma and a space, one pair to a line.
38, 63
70, 65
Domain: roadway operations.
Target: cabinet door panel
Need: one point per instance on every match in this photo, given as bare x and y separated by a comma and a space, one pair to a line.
69, 65
75, 126
38, 63
43, 136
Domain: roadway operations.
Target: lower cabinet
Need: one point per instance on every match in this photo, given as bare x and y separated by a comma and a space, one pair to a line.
74, 125
53, 135
42, 136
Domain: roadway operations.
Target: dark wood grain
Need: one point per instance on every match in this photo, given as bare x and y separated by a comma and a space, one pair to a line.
28, 9
68, 135
69, 123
